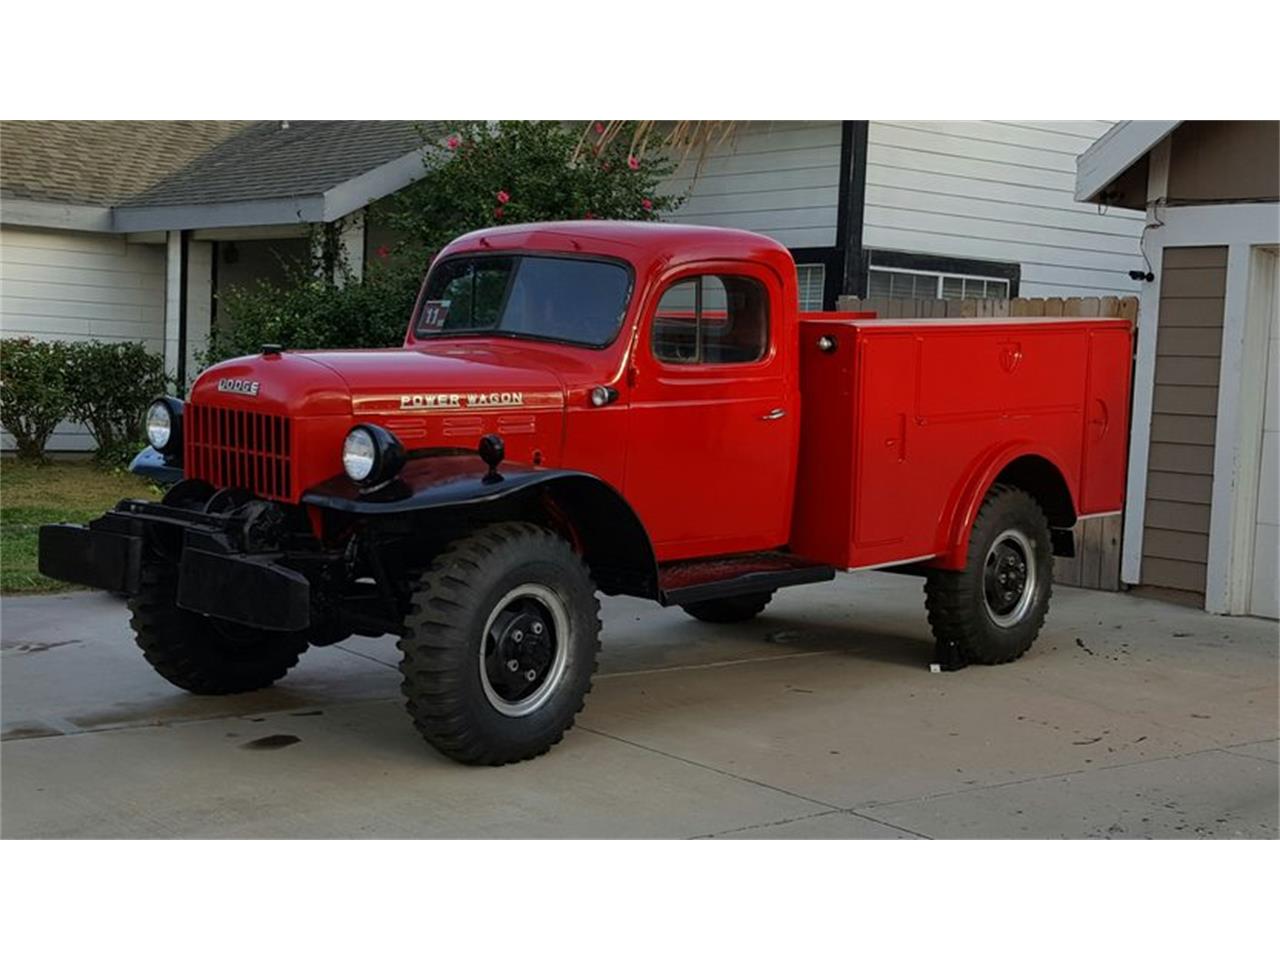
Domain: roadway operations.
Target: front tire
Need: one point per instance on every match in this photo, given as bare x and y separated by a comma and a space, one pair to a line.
993, 609
203, 654
500, 645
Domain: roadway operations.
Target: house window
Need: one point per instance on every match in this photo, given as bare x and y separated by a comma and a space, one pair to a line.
928, 285
712, 319
812, 281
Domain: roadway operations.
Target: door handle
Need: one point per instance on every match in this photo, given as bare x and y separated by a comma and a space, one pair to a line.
777, 413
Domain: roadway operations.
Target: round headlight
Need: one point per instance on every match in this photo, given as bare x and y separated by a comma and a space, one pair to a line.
371, 455
159, 425
359, 455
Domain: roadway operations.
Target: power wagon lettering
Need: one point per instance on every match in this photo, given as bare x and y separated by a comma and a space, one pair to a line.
432, 401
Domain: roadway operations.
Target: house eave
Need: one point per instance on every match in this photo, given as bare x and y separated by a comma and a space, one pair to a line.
205, 216
54, 215
374, 184
1115, 152
331, 205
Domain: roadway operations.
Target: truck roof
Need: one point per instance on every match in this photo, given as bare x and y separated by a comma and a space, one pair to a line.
634, 241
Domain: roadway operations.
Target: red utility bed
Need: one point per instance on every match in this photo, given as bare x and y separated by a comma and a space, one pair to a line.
906, 423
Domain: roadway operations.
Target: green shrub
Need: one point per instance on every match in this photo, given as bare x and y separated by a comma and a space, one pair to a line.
517, 171
305, 312
110, 386
34, 395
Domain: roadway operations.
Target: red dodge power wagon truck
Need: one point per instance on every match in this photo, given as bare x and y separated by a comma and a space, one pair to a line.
625, 408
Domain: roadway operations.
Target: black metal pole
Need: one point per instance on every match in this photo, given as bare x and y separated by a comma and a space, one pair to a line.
184, 257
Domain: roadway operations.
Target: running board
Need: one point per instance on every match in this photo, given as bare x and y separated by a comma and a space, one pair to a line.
692, 581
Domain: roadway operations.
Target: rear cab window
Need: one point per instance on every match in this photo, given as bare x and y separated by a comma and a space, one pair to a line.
712, 319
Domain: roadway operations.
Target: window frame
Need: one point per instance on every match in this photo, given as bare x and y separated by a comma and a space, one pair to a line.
964, 267
940, 276
518, 255
822, 300
766, 354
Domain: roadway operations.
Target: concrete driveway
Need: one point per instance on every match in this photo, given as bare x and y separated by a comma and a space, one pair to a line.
1130, 718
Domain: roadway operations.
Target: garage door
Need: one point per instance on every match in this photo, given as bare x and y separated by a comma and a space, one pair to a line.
1266, 545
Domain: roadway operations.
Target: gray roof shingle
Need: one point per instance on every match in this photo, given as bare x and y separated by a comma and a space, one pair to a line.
178, 163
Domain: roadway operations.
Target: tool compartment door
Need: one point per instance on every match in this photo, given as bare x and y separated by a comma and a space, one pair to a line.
1106, 420
886, 470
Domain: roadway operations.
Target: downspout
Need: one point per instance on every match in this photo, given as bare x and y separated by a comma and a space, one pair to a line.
184, 255
852, 207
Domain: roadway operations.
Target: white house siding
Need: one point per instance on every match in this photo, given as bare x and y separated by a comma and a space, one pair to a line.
999, 191
980, 190
781, 179
79, 286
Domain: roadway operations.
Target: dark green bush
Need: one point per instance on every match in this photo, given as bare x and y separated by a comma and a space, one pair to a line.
34, 395
110, 386
305, 312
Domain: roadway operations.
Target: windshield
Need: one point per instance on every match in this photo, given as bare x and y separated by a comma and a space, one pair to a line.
549, 298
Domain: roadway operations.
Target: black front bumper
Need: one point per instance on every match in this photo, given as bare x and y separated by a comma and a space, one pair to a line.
214, 577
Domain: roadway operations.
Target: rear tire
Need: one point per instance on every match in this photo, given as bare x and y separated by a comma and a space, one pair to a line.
993, 609
203, 654
509, 594
729, 609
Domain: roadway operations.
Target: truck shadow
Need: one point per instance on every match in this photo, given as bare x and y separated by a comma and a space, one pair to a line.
690, 644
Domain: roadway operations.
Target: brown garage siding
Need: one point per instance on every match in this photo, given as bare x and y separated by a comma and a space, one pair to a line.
1175, 542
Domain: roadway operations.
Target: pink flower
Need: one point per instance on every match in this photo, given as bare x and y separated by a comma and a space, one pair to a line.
647, 203
633, 162
497, 213
383, 252
503, 196
453, 142
599, 127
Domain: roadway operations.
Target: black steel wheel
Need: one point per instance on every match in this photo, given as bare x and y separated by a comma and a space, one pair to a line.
993, 609
203, 654
500, 645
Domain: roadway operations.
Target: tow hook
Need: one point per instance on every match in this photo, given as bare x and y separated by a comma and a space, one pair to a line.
262, 526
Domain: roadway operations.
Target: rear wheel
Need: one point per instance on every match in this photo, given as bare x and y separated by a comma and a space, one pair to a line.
729, 609
203, 654
500, 645
993, 609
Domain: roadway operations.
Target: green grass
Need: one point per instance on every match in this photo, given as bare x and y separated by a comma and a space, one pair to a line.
51, 493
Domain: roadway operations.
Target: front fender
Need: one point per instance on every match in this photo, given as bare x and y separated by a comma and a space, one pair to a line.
449, 480
598, 520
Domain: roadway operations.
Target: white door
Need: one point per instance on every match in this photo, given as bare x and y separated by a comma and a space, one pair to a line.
1265, 585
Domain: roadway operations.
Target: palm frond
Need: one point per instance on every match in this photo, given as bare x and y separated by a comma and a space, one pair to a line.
680, 137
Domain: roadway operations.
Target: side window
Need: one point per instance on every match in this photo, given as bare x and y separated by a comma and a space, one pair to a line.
712, 319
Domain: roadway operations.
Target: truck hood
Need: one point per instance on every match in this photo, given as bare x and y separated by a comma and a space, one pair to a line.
383, 382
285, 384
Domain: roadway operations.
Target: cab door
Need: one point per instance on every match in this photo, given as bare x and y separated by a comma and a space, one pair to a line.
714, 413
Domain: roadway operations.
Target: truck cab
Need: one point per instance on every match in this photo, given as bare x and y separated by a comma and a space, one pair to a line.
595, 407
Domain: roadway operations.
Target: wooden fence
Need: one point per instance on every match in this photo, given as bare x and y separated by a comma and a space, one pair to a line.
898, 309
1096, 564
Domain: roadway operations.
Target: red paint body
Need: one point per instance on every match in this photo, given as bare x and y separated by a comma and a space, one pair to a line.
885, 448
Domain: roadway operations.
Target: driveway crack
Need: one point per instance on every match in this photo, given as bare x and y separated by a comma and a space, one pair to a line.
830, 808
